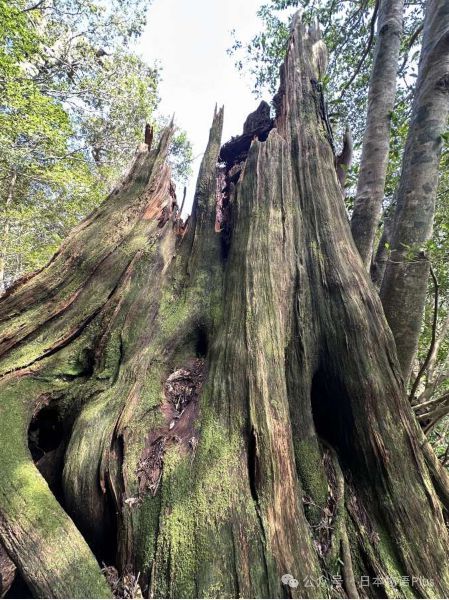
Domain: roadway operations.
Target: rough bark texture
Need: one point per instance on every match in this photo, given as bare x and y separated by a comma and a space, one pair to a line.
221, 401
376, 139
404, 285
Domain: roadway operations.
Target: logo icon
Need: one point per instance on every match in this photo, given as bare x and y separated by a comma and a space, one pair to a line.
288, 579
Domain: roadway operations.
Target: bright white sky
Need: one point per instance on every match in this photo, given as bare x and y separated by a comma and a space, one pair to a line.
190, 38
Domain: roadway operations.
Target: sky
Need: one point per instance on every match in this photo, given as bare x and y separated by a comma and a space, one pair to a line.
189, 39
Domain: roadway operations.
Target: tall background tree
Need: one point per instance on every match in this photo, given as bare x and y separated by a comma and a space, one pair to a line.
376, 138
404, 284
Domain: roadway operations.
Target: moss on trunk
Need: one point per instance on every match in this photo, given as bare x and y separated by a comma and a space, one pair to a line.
225, 393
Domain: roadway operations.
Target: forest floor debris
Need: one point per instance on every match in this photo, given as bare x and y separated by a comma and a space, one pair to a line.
125, 586
181, 388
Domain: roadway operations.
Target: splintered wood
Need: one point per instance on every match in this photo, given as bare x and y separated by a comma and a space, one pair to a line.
181, 390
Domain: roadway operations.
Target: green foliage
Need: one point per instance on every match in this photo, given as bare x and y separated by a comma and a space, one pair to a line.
75, 101
181, 156
117, 100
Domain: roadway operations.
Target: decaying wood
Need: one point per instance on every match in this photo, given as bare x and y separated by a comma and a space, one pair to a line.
344, 159
227, 393
149, 132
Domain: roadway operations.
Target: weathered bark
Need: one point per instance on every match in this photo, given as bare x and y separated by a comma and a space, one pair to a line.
404, 286
376, 139
343, 160
229, 401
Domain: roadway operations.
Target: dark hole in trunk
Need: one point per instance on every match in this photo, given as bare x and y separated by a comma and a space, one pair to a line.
45, 432
47, 446
102, 541
19, 588
85, 364
253, 465
102, 538
48, 435
331, 412
373, 591
202, 343
106, 548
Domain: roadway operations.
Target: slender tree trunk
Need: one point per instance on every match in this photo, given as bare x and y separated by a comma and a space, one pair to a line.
6, 226
219, 404
376, 139
380, 260
404, 285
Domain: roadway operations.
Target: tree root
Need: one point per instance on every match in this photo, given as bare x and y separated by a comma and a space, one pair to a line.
340, 534
346, 568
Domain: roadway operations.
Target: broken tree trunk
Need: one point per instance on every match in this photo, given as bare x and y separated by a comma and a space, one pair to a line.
219, 402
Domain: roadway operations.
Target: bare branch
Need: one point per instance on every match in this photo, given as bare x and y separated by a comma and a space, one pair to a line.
441, 336
183, 199
34, 6
364, 53
438, 400
435, 417
411, 41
